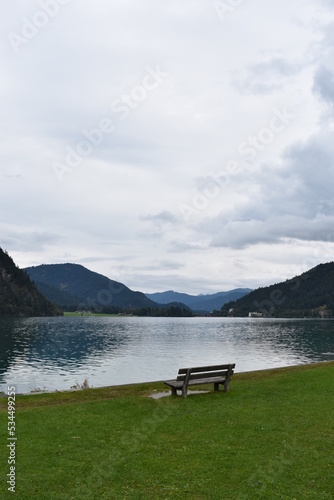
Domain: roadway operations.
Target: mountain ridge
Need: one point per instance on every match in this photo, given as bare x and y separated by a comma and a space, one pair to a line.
88, 289
310, 294
74, 287
204, 303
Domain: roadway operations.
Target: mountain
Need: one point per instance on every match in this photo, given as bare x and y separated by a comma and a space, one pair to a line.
199, 303
74, 285
18, 295
309, 295
57, 296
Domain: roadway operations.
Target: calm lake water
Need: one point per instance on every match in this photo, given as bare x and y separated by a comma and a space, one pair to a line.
57, 353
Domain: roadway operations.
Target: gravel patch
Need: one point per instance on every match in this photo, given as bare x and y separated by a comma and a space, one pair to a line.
158, 395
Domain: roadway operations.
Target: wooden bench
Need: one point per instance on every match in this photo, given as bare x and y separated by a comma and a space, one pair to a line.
218, 374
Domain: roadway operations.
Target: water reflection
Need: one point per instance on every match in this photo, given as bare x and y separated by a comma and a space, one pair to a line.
56, 353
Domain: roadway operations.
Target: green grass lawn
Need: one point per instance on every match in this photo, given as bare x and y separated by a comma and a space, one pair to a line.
270, 437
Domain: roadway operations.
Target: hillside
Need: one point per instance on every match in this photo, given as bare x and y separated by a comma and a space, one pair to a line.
74, 285
199, 303
57, 296
18, 295
309, 295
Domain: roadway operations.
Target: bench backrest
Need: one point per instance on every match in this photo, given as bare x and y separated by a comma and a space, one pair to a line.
201, 372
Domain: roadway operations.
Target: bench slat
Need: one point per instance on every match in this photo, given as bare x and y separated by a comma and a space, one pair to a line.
214, 380
174, 383
193, 376
205, 368
197, 381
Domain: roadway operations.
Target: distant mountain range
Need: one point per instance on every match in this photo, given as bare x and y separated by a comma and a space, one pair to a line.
18, 295
199, 303
73, 286
309, 295
37, 291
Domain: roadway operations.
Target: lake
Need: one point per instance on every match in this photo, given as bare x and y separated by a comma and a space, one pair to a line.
57, 353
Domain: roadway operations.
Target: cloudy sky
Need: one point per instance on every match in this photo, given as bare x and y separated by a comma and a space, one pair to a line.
184, 145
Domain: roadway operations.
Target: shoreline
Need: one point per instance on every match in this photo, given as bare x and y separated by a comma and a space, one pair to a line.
139, 387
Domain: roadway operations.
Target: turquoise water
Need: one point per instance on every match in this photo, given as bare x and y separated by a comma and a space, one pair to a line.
57, 353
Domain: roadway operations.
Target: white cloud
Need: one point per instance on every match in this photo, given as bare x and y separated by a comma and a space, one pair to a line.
118, 208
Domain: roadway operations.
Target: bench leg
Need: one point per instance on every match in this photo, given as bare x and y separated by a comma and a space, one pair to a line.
227, 386
185, 383
216, 386
174, 393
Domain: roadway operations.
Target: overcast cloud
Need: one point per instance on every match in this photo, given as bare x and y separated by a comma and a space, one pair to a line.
168, 145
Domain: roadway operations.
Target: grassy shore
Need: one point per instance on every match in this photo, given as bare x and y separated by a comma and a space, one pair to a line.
270, 437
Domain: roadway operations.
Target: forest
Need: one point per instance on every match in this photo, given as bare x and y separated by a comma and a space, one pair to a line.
18, 295
310, 295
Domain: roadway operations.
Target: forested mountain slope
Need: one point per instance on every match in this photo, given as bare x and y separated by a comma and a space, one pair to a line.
18, 295
309, 295
85, 288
